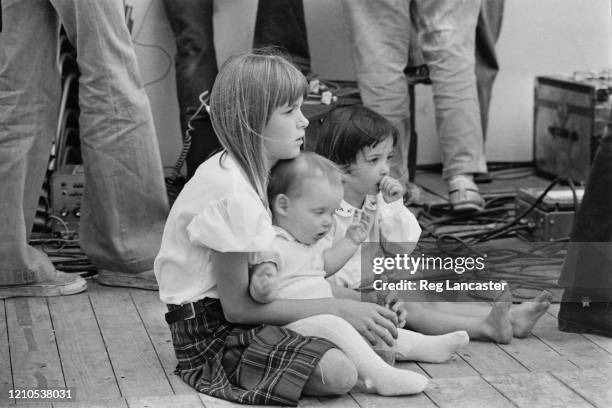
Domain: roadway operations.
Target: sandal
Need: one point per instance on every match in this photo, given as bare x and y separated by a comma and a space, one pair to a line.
463, 195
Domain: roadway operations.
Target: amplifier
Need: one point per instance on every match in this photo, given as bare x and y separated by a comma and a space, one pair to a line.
571, 117
552, 219
66, 194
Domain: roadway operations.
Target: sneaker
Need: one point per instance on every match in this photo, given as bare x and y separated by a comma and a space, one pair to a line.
56, 283
143, 280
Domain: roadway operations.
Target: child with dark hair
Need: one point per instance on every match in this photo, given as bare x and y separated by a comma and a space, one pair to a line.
361, 142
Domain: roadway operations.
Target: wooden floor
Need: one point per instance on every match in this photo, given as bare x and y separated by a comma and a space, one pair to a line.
112, 347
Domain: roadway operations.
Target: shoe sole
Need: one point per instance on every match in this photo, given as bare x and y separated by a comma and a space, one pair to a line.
466, 207
41, 291
569, 326
122, 281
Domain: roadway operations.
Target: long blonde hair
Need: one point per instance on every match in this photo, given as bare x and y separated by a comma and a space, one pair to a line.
248, 88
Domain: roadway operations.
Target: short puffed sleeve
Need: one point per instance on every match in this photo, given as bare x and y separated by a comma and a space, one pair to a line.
236, 223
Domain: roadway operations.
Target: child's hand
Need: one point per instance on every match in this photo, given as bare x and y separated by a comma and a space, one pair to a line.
357, 232
391, 301
264, 282
399, 311
391, 189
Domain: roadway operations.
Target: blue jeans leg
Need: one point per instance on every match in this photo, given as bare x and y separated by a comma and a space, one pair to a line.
447, 36
29, 99
196, 63
125, 203
487, 33
380, 36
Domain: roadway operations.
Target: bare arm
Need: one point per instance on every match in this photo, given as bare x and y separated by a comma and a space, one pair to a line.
347, 293
230, 271
337, 256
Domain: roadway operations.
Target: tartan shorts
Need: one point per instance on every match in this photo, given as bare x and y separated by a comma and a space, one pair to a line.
263, 365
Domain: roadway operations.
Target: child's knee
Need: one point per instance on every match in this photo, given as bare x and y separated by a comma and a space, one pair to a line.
335, 374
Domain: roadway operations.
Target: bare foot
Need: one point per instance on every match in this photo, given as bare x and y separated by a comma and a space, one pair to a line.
497, 323
524, 316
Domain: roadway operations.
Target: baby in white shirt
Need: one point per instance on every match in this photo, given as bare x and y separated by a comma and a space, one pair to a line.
304, 194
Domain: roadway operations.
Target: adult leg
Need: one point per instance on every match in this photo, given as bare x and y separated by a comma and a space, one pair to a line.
379, 34
446, 34
587, 273
125, 204
29, 96
196, 61
487, 33
282, 23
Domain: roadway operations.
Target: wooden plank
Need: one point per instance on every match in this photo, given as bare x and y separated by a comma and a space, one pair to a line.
212, 402
97, 403
455, 367
6, 378
603, 342
489, 358
342, 401
152, 311
34, 357
86, 365
536, 390
174, 401
376, 401
135, 363
592, 384
575, 347
535, 354
469, 392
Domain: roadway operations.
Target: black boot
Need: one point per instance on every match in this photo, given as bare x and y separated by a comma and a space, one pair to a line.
580, 314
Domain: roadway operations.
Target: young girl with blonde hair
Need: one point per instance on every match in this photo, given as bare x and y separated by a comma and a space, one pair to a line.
228, 345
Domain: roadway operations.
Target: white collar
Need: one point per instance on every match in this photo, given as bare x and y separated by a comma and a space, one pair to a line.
347, 210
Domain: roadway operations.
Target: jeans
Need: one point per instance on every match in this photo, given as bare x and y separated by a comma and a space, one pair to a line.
196, 63
380, 37
124, 205
588, 263
487, 34
282, 23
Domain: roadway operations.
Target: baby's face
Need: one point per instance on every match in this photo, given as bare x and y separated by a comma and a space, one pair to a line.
370, 167
311, 209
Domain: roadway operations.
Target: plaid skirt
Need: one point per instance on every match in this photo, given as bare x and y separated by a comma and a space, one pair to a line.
263, 365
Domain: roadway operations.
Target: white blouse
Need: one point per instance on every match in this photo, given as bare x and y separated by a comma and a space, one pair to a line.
217, 209
394, 227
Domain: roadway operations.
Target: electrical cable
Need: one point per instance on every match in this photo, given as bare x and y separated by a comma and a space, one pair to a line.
523, 270
168, 67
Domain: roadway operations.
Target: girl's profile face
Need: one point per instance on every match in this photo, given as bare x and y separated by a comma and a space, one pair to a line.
284, 132
370, 166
